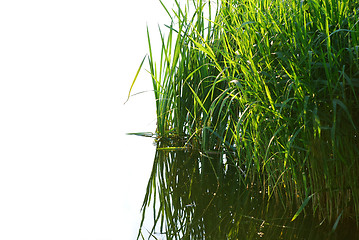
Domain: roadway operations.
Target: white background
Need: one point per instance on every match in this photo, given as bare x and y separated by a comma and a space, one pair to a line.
67, 169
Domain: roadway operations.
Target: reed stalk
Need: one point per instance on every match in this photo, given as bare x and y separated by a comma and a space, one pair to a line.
273, 85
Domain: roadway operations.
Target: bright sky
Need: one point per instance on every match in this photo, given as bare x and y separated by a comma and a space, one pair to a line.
67, 169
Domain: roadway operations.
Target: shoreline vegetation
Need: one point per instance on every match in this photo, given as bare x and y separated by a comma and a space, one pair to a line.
272, 88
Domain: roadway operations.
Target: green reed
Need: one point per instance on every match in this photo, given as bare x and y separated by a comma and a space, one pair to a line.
274, 85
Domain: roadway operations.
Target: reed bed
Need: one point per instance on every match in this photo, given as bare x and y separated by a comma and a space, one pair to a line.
273, 86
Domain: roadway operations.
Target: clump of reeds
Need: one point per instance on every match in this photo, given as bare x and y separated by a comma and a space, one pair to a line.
275, 86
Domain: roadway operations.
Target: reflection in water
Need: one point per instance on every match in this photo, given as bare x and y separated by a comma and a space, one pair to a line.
203, 196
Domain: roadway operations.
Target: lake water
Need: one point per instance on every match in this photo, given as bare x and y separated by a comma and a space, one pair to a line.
198, 198
67, 168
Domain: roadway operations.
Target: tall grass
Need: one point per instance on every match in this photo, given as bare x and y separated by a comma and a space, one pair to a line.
274, 85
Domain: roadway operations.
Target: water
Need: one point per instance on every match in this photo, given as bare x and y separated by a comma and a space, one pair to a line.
67, 168
200, 198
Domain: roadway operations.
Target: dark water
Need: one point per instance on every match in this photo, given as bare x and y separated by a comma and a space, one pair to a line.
202, 196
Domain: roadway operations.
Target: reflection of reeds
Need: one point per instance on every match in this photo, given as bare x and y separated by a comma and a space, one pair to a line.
275, 85
197, 196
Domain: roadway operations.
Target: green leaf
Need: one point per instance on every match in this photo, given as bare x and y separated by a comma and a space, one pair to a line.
306, 201
336, 222
134, 80
197, 99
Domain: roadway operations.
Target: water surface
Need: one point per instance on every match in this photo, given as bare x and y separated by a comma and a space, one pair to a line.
198, 197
